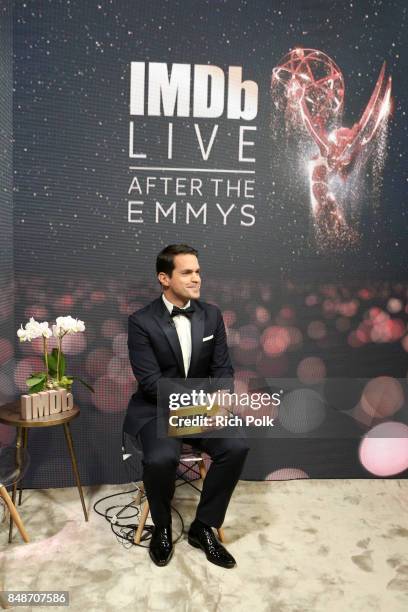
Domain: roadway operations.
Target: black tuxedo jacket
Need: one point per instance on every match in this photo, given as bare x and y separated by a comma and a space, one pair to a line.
155, 352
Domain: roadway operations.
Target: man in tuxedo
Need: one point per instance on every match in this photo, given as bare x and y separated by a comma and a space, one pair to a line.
178, 336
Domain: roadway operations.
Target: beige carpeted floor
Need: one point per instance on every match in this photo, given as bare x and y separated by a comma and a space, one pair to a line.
304, 545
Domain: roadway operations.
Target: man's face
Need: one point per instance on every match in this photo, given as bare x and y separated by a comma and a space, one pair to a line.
185, 282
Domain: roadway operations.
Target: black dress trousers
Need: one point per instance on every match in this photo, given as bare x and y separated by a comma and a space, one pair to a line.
161, 459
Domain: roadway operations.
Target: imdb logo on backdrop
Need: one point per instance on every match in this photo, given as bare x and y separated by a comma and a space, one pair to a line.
192, 145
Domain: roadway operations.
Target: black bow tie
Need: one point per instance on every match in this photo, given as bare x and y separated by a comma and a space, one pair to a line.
187, 312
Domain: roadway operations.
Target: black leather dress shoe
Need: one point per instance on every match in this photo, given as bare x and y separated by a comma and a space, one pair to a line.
161, 545
201, 536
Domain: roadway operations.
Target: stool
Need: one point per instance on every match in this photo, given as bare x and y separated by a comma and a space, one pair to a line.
10, 415
188, 457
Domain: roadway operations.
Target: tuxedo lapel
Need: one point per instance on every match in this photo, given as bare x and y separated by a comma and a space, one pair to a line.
197, 333
163, 318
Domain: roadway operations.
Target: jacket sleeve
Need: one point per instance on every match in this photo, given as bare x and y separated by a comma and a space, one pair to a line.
221, 366
143, 359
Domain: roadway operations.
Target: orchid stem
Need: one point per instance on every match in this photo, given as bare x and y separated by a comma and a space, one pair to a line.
45, 346
58, 357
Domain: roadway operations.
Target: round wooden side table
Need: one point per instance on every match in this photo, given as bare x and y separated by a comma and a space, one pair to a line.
10, 415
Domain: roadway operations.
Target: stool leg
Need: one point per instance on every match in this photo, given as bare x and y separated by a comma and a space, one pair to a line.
13, 497
68, 438
221, 535
18, 446
25, 444
140, 527
3, 603
201, 469
14, 515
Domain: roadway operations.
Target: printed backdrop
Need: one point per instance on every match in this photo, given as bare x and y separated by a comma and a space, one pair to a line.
269, 135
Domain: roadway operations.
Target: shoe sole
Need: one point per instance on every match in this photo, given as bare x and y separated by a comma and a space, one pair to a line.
197, 544
162, 563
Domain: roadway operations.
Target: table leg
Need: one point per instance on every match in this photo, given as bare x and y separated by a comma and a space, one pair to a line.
25, 443
68, 438
13, 497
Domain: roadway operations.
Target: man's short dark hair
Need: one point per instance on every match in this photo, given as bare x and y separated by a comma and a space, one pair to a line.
165, 259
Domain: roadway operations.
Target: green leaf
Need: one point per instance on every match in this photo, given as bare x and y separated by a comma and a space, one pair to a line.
66, 382
61, 366
38, 387
52, 362
84, 383
51, 369
36, 379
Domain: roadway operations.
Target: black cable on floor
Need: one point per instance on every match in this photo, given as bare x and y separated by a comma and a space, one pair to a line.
127, 530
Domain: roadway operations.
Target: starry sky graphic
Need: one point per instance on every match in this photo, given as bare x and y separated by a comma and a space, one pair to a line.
71, 69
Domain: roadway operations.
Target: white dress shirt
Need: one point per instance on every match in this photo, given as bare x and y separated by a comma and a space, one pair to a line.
183, 328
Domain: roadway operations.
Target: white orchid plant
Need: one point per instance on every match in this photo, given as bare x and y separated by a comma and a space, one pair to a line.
54, 376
